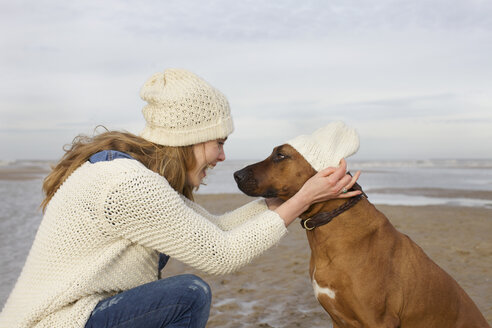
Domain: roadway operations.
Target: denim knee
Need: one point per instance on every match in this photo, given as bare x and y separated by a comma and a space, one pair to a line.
199, 288
177, 299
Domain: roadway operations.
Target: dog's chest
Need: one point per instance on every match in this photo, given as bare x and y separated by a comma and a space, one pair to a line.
319, 290
328, 296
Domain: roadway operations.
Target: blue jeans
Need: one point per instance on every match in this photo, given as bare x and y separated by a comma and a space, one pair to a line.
179, 301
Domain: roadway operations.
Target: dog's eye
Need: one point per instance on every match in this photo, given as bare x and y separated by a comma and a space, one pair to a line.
279, 157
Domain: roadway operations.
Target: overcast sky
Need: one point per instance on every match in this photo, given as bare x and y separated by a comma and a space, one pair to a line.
413, 77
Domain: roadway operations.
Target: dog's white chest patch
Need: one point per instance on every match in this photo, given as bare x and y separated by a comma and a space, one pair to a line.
318, 290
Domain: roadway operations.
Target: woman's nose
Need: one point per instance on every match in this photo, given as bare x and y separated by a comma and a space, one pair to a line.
222, 156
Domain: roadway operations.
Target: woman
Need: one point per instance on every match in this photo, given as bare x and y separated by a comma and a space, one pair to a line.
118, 205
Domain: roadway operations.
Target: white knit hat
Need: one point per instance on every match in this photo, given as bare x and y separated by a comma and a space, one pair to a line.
327, 145
183, 110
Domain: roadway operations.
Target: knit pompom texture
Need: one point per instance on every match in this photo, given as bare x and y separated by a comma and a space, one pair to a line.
328, 145
183, 109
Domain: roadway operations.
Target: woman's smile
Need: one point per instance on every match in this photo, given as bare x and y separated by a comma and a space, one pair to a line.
207, 155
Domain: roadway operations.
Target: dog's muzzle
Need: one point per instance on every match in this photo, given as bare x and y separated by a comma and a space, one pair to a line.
245, 181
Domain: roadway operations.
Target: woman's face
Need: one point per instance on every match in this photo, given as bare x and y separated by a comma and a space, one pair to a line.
207, 155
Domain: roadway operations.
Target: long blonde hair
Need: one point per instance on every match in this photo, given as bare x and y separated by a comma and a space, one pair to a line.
170, 162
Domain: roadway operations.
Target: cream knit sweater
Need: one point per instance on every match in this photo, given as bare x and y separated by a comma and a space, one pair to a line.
101, 235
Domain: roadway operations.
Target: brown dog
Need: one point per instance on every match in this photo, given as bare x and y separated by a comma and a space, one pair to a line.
364, 272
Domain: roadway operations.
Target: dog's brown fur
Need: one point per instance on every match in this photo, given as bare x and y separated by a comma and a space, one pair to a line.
380, 277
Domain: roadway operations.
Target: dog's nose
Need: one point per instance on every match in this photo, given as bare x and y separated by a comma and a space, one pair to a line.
240, 175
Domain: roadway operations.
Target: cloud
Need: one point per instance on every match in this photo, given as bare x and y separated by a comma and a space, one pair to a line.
289, 19
387, 67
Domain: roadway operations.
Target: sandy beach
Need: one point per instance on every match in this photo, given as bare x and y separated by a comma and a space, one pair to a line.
275, 291
30, 172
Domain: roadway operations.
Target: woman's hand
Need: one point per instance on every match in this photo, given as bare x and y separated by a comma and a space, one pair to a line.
330, 183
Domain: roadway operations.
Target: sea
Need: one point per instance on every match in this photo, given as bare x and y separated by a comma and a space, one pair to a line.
447, 182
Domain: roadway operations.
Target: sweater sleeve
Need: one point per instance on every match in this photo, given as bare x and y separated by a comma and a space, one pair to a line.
146, 210
233, 218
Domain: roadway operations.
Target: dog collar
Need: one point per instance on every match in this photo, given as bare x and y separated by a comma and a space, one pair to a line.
323, 218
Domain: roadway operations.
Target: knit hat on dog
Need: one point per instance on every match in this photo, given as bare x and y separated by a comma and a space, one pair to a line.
327, 145
182, 109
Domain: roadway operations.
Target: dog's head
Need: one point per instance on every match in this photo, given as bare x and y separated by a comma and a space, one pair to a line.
280, 175
290, 165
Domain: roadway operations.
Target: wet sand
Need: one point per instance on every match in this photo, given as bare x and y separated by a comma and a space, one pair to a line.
275, 291
29, 172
